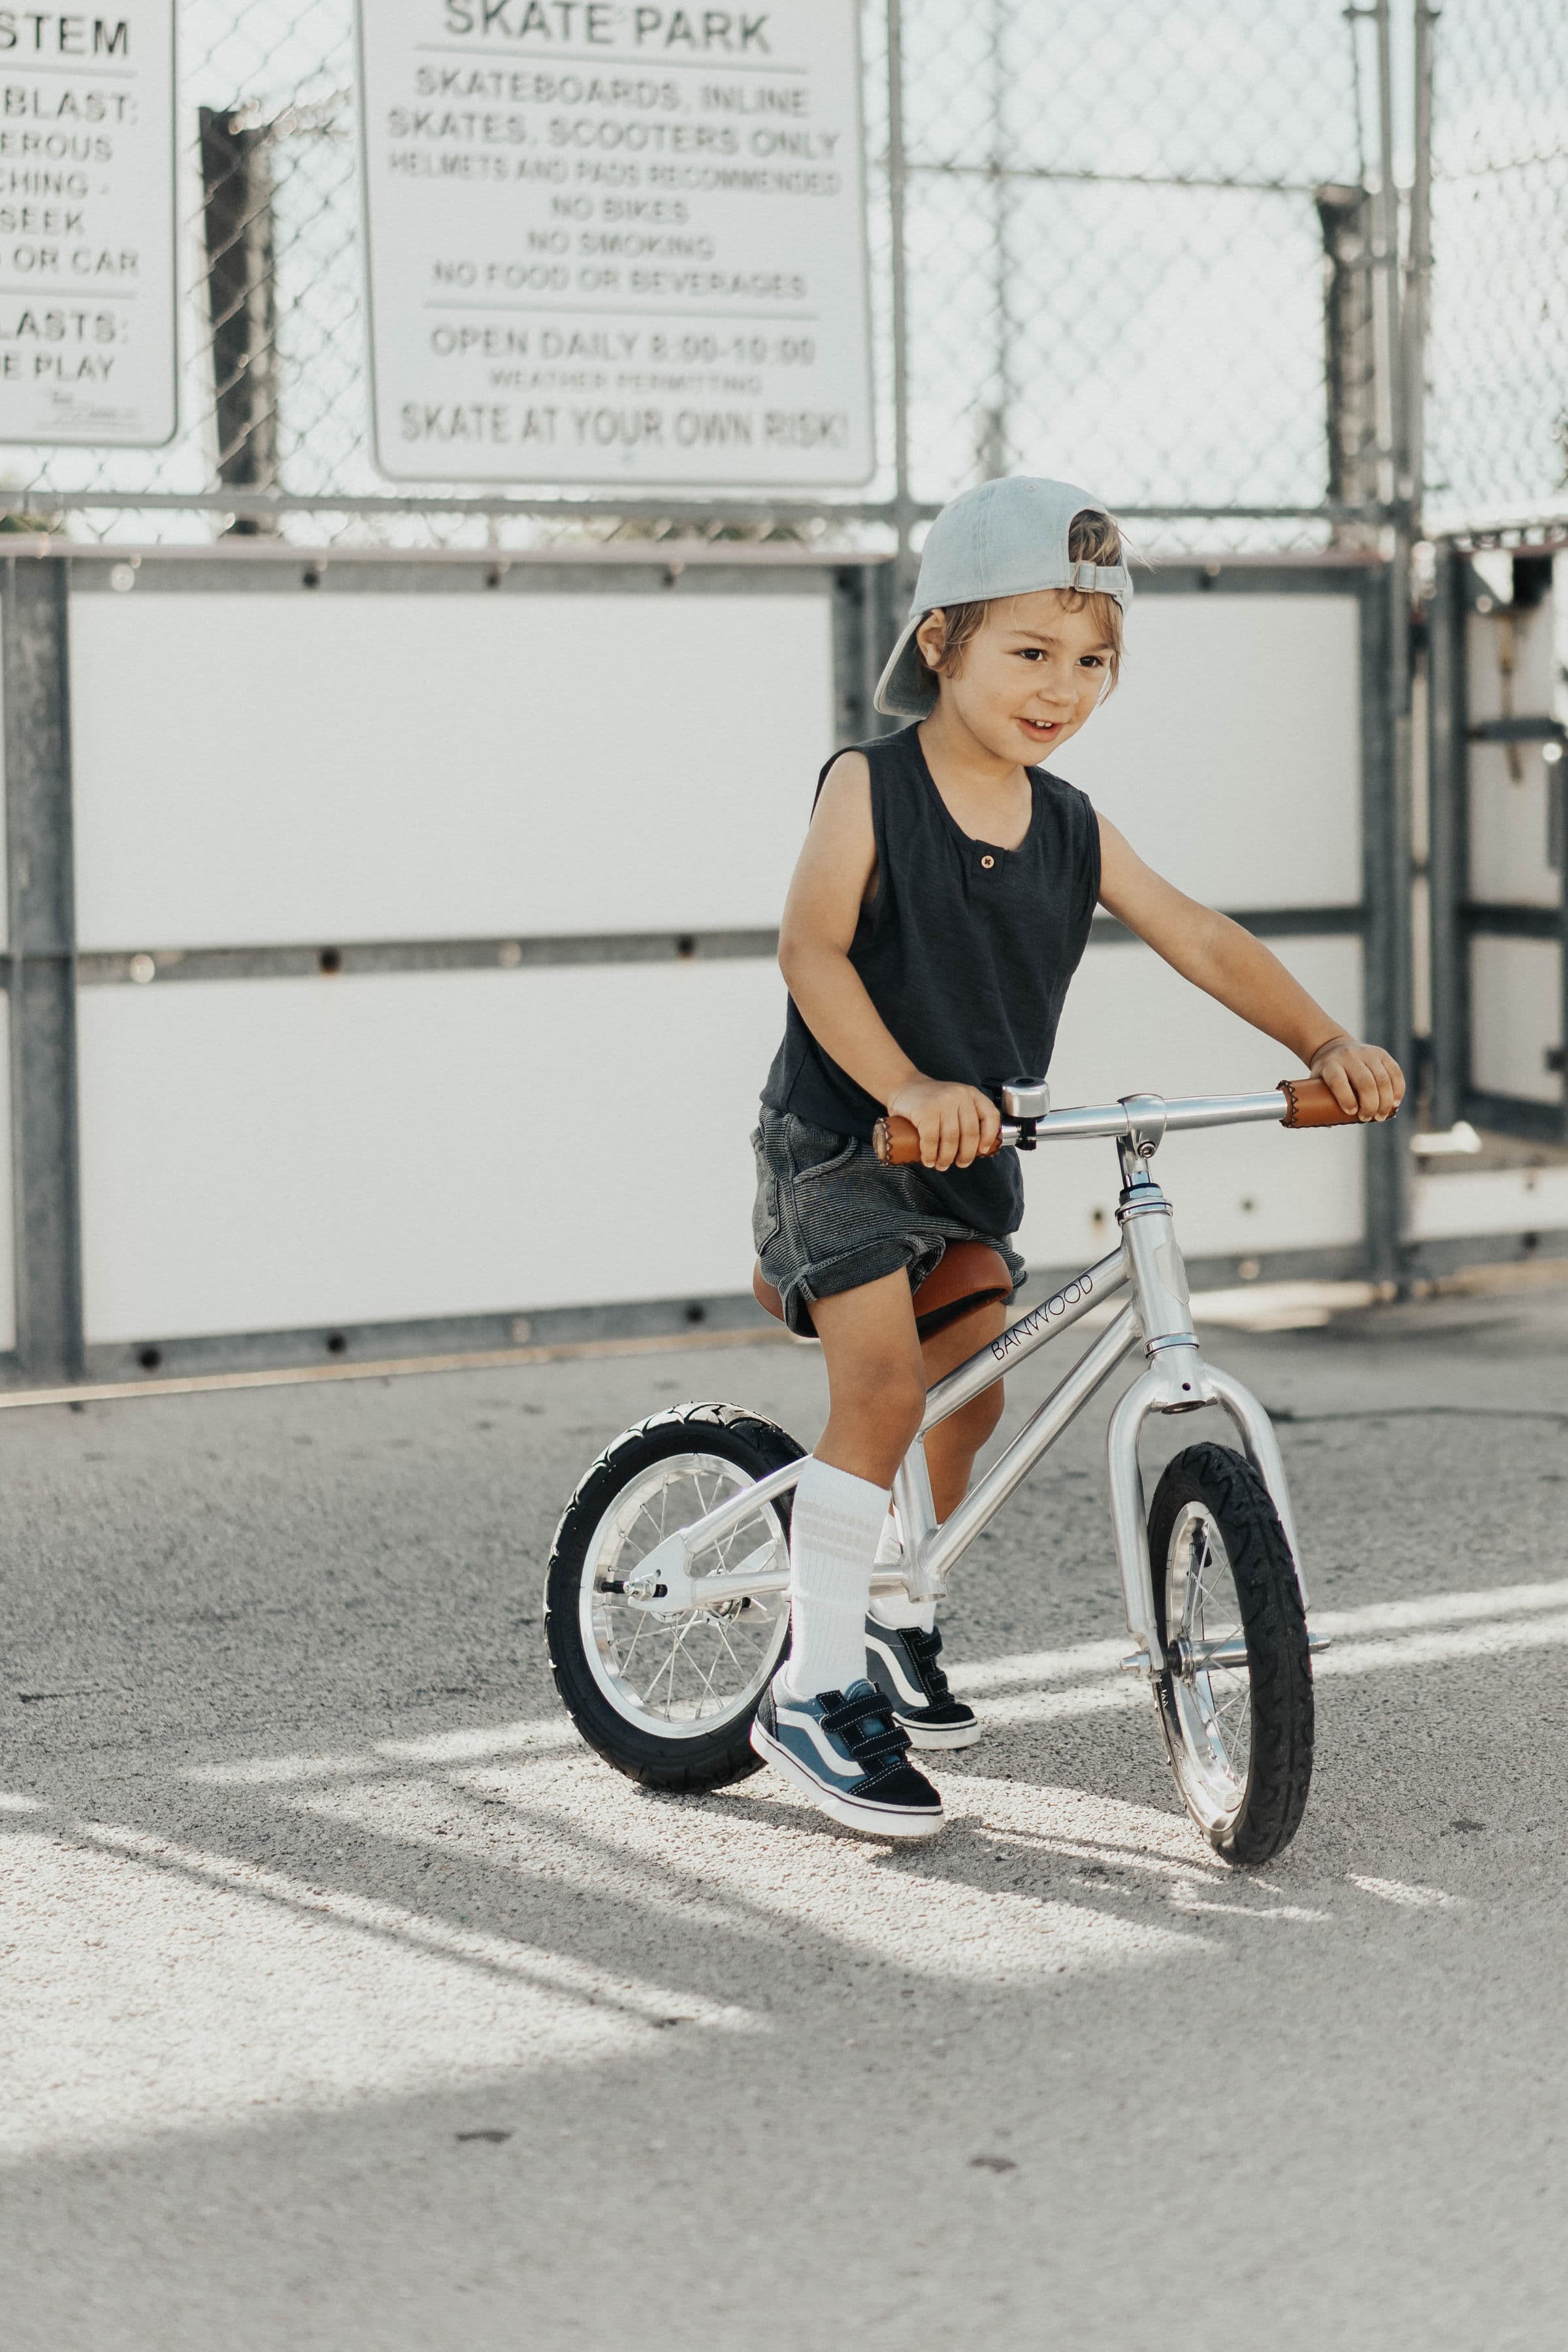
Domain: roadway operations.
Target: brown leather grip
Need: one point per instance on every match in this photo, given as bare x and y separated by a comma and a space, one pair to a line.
1309, 1103
896, 1141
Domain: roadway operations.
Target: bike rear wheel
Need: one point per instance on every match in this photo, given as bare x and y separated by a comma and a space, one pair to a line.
670, 1700
1235, 1700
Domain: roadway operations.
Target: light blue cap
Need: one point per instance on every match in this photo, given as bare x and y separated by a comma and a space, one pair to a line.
1005, 538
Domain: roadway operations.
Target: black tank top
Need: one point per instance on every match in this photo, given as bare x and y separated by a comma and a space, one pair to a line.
965, 951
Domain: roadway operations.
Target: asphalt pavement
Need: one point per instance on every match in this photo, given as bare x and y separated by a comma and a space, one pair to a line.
347, 2002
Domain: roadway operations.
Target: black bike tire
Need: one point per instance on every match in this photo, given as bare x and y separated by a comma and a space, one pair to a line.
712, 1759
1274, 1623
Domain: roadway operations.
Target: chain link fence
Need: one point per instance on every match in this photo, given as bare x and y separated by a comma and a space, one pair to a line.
1116, 257
1496, 431
1136, 249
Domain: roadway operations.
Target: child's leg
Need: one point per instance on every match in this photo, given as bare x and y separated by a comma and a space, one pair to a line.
951, 1448
954, 1443
876, 1392
878, 1373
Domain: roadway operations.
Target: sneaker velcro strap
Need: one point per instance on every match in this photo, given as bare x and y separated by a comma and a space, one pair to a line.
849, 1712
923, 1648
880, 1747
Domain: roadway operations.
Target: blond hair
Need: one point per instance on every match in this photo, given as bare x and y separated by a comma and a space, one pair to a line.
1092, 538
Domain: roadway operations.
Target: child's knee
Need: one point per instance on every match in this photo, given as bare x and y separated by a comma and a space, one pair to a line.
988, 1408
886, 1401
899, 1397
978, 1419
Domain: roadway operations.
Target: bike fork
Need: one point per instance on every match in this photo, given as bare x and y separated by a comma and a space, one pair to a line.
1176, 1381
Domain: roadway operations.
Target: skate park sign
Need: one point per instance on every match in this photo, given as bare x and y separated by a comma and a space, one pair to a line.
87, 225
615, 243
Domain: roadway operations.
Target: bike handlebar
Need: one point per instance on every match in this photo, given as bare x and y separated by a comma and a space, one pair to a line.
1294, 1102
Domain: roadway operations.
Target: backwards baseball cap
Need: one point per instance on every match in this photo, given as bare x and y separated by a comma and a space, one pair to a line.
1005, 538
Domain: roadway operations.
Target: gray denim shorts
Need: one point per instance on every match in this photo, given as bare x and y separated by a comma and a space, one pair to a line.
829, 1217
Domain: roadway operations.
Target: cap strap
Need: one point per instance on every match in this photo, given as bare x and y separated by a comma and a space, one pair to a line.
1106, 578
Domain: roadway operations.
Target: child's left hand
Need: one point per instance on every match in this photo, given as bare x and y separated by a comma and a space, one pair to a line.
1362, 1079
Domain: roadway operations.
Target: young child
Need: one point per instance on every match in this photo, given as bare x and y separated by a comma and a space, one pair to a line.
940, 908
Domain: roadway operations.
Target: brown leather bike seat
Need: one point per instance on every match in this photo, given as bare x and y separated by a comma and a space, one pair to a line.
972, 1275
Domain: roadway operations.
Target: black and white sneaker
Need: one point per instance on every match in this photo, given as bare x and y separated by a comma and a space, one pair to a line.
843, 1749
902, 1659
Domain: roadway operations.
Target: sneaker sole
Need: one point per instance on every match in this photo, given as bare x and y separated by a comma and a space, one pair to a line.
959, 1734
871, 1820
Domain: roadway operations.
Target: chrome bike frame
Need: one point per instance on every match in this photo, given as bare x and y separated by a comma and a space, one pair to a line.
1175, 1379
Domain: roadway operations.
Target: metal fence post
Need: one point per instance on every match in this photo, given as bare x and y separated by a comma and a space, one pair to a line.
1384, 886
236, 215
1350, 363
1447, 857
898, 271
46, 1214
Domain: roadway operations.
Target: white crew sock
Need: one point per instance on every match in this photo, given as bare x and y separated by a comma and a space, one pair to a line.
896, 1609
833, 1528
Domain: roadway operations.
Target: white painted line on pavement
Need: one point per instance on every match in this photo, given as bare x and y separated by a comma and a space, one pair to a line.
151, 1987
1487, 1624
1038, 1666
1441, 1609
1462, 1625
387, 1919
1488, 1641
435, 1748
582, 1827
1411, 1899
1054, 1706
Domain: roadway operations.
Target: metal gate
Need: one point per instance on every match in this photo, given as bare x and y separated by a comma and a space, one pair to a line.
1499, 909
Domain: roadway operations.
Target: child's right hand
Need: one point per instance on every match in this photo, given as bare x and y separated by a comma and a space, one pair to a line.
953, 1120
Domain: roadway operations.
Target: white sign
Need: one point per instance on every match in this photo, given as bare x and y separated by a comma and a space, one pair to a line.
87, 225
616, 242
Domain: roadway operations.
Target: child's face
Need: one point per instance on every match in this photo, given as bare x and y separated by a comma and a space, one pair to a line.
1030, 676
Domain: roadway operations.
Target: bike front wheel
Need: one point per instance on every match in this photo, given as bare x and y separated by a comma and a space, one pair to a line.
670, 1700
1236, 1698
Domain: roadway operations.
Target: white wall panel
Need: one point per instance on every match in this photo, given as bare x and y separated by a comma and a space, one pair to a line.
1230, 754
1460, 1202
255, 769
1132, 1026
1516, 1017
1507, 826
261, 1154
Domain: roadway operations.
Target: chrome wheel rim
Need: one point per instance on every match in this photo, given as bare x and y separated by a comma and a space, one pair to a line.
675, 1676
1209, 1704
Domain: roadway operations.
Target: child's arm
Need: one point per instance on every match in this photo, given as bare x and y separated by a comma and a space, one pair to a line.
820, 914
1228, 963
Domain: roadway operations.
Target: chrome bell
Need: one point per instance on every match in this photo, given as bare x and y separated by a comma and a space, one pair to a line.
1025, 1098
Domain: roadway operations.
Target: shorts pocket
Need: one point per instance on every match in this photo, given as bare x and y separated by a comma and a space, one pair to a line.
815, 1152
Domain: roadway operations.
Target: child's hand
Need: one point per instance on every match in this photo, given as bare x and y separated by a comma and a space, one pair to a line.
953, 1120
1362, 1078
